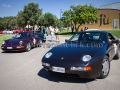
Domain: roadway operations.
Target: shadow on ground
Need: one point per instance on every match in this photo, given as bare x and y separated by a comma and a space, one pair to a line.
12, 52
56, 78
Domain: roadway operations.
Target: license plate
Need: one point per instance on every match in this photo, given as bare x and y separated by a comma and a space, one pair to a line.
9, 47
58, 69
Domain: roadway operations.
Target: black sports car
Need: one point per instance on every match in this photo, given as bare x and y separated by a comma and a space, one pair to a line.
22, 41
86, 55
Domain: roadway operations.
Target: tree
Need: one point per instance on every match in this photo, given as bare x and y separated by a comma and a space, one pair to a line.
31, 13
21, 20
12, 22
1, 23
48, 19
80, 14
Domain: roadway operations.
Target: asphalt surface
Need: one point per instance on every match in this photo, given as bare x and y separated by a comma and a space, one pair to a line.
23, 71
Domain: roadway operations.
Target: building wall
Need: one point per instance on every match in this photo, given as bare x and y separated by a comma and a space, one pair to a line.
105, 22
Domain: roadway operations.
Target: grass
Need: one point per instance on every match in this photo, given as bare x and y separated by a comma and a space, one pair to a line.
68, 33
65, 33
115, 32
4, 37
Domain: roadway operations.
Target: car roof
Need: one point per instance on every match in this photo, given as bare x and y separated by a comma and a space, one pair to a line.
101, 31
24, 32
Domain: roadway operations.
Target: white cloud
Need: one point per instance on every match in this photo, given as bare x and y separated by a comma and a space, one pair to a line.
76, 3
5, 5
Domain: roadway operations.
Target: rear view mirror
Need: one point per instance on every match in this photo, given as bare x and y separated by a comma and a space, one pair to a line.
115, 41
66, 40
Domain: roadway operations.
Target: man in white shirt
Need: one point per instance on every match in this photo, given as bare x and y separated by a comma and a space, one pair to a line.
52, 33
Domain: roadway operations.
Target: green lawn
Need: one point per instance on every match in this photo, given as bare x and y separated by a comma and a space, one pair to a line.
4, 37
115, 32
68, 33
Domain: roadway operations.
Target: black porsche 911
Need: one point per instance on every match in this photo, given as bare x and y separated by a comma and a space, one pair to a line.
86, 55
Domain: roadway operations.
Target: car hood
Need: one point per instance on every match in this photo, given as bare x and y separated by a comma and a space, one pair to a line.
15, 41
75, 52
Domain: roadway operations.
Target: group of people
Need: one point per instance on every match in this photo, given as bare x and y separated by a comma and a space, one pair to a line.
53, 32
72, 28
84, 29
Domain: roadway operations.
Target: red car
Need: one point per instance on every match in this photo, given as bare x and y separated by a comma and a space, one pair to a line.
1, 31
23, 41
17, 31
27, 30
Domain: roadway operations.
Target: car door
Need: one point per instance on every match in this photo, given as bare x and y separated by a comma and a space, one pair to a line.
33, 39
113, 46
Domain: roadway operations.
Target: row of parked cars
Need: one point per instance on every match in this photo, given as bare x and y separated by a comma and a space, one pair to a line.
13, 31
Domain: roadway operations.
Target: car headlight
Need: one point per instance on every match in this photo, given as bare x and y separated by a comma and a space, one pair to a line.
3, 42
48, 55
86, 58
21, 42
46, 64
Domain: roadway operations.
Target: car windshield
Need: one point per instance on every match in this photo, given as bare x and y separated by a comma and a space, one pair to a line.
89, 37
22, 35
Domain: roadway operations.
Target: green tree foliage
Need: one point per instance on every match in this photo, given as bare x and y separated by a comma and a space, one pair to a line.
21, 20
31, 13
8, 22
48, 19
13, 23
80, 14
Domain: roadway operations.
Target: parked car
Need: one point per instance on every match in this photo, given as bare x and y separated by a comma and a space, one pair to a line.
23, 41
1, 31
8, 31
86, 55
17, 31
41, 35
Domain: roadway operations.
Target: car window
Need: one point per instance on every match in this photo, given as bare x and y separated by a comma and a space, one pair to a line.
110, 36
75, 37
22, 35
89, 37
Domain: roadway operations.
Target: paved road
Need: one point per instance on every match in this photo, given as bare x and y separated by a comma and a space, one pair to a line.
23, 71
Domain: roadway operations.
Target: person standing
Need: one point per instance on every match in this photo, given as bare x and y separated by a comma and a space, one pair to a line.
51, 28
46, 30
72, 28
85, 28
56, 33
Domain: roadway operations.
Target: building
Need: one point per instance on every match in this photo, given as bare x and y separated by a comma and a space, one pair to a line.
109, 18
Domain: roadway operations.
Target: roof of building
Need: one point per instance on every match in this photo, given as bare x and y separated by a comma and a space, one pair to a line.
115, 5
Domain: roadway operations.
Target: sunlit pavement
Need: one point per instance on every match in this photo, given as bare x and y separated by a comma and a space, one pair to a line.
23, 71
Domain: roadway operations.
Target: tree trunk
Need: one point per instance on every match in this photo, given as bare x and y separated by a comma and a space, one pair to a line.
78, 27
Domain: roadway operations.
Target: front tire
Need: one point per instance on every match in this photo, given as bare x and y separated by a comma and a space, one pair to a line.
105, 68
40, 43
117, 56
28, 47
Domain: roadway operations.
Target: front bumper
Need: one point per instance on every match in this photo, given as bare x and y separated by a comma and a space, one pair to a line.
75, 73
13, 48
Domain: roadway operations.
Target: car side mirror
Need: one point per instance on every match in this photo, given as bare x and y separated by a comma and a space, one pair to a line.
66, 40
115, 41
13, 36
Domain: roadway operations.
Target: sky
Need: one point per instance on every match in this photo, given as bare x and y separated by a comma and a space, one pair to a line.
11, 7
